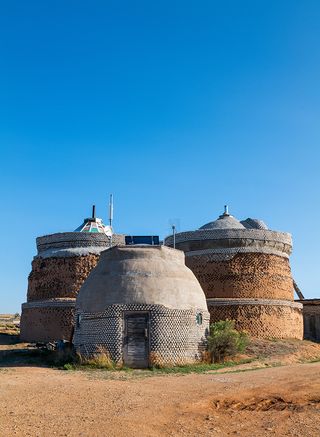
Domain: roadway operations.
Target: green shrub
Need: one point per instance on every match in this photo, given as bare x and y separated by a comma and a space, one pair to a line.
225, 341
69, 366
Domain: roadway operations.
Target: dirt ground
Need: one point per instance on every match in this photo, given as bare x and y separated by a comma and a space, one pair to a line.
269, 401
279, 401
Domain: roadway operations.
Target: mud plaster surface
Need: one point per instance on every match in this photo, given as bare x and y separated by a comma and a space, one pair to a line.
246, 275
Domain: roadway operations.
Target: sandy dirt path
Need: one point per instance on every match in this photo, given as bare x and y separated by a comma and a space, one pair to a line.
45, 402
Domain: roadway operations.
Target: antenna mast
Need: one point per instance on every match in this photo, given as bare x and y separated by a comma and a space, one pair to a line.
111, 210
174, 235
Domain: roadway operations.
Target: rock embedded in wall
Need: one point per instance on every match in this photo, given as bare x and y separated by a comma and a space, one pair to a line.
59, 277
260, 318
256, 275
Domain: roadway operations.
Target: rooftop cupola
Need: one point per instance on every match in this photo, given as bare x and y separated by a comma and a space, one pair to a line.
94, 224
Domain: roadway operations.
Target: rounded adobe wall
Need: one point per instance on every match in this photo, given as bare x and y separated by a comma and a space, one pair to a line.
154, 275
48, 320
260, 318
63, 262
244, 275
64, 244
239, 263
230, 241
59, 277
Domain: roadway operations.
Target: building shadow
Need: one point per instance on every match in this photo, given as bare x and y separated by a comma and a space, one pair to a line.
14, 353
8, 339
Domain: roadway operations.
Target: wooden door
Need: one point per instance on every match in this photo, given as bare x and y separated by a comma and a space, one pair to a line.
136, 340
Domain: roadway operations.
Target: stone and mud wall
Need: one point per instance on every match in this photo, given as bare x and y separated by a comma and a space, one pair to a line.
52, 278
254, 289
48, 320
260, 318
63, 263
53, 286
246, 277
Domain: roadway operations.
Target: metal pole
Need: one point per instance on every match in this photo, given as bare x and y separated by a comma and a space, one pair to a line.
111, 210
174, 235
93, 211
111, 218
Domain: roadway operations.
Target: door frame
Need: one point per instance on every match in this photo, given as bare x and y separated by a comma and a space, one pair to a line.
128, 313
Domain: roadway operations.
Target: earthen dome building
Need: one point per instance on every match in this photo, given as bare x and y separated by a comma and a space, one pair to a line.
143, 306
63, 262
243, 268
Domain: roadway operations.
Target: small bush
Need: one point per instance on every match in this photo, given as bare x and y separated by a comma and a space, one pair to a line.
225, 341
69, 366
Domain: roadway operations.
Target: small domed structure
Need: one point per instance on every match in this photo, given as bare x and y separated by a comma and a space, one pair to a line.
144, 306
224, 221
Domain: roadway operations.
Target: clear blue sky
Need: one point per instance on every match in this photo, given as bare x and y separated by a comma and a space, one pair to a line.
176, 107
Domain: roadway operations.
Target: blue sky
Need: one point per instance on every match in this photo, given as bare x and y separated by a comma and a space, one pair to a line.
176, 107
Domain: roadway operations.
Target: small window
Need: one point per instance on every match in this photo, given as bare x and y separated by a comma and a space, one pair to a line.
199, 319
78, 320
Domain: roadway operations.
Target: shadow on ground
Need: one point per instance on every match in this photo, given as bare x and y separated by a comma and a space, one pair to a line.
14, 353
7, 339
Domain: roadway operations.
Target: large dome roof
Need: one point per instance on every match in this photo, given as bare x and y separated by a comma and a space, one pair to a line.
154, 275
224, 221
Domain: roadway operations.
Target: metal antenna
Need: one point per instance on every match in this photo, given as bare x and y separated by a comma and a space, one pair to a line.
111, 210
174, 235
93, 211
226, 210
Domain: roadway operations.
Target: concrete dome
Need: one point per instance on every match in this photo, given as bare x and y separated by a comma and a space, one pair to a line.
154, 275
225, 221
251, 223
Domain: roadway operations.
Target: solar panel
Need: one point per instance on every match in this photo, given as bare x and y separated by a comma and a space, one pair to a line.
151, 240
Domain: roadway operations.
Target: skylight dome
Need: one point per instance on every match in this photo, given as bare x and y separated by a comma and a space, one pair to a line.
94, 225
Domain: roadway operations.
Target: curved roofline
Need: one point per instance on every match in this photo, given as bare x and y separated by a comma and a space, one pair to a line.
68, 240
220, 234
155, 275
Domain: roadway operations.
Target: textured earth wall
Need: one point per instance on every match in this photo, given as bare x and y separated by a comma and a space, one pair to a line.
59, 277
264, 319
53, 286
63, 262
47, 320
245, 275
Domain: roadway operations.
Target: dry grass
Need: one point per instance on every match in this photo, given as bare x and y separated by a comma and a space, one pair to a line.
100, 360
9, 328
